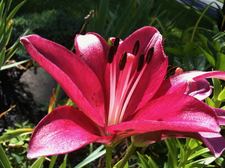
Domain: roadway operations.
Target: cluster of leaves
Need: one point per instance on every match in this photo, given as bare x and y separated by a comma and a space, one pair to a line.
6, 27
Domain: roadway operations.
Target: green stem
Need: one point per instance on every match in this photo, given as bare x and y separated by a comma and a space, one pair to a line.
130, 150
108, 156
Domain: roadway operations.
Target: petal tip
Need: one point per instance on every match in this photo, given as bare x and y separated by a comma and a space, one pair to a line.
24, 40
30, 155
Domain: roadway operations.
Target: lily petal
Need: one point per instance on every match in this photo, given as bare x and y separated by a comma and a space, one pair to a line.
214, 141
143, 35
157, 72
179, 107
173, 112
66, 68
151, 80
220, 115
63, 130
193, 83
93, 49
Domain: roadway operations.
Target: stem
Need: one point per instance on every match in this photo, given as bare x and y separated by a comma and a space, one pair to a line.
130, 150
108, 156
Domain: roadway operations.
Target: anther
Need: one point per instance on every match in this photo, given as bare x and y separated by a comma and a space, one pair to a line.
136, 47
149, 55
140, 62
113, 49
123, 61
116, 42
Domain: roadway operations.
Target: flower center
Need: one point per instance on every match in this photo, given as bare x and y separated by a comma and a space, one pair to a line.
131, 67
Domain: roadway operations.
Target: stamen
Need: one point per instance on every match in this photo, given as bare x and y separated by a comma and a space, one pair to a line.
112, 50
149, 55
136, 47
134, 81
122, 87
140, 62
112, 91
123, 61
116, 42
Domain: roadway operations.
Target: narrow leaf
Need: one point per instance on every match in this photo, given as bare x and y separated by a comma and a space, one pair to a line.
4, 160
38, 163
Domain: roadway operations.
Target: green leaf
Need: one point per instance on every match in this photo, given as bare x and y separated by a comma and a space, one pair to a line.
217, 88
102, 15
93, 156
210, 102
2, 5
2, 57
204, 161
38, 163
221, 96
172, 152
14, 133
198, 153
13, 65
146, 161
220, 63
63, 165
143, 161
11, 51
208, 56
15, 10
52, 162
4, 160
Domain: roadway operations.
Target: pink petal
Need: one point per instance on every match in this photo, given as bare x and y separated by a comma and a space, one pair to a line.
93, 49
175, 112
151, 79
63, 130
144, 35
85, 90
220, 115
136, 127
214, 141
192, 82
155, 73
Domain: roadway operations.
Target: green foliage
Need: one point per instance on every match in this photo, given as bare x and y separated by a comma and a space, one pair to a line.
145, 161
4, 161
15, 142
51, 24
119, 19
187, 153
7, 50
38, 163
100, 151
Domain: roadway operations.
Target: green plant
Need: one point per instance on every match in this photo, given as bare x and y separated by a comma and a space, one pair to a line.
7, 50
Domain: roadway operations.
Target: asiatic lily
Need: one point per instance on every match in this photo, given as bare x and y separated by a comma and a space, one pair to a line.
121, 90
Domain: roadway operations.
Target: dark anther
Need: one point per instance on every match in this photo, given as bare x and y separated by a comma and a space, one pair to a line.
123, 61
112, 50
149, 55
116, 42
136, 47
140, 62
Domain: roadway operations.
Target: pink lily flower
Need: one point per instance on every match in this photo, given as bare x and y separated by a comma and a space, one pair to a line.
121, 91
